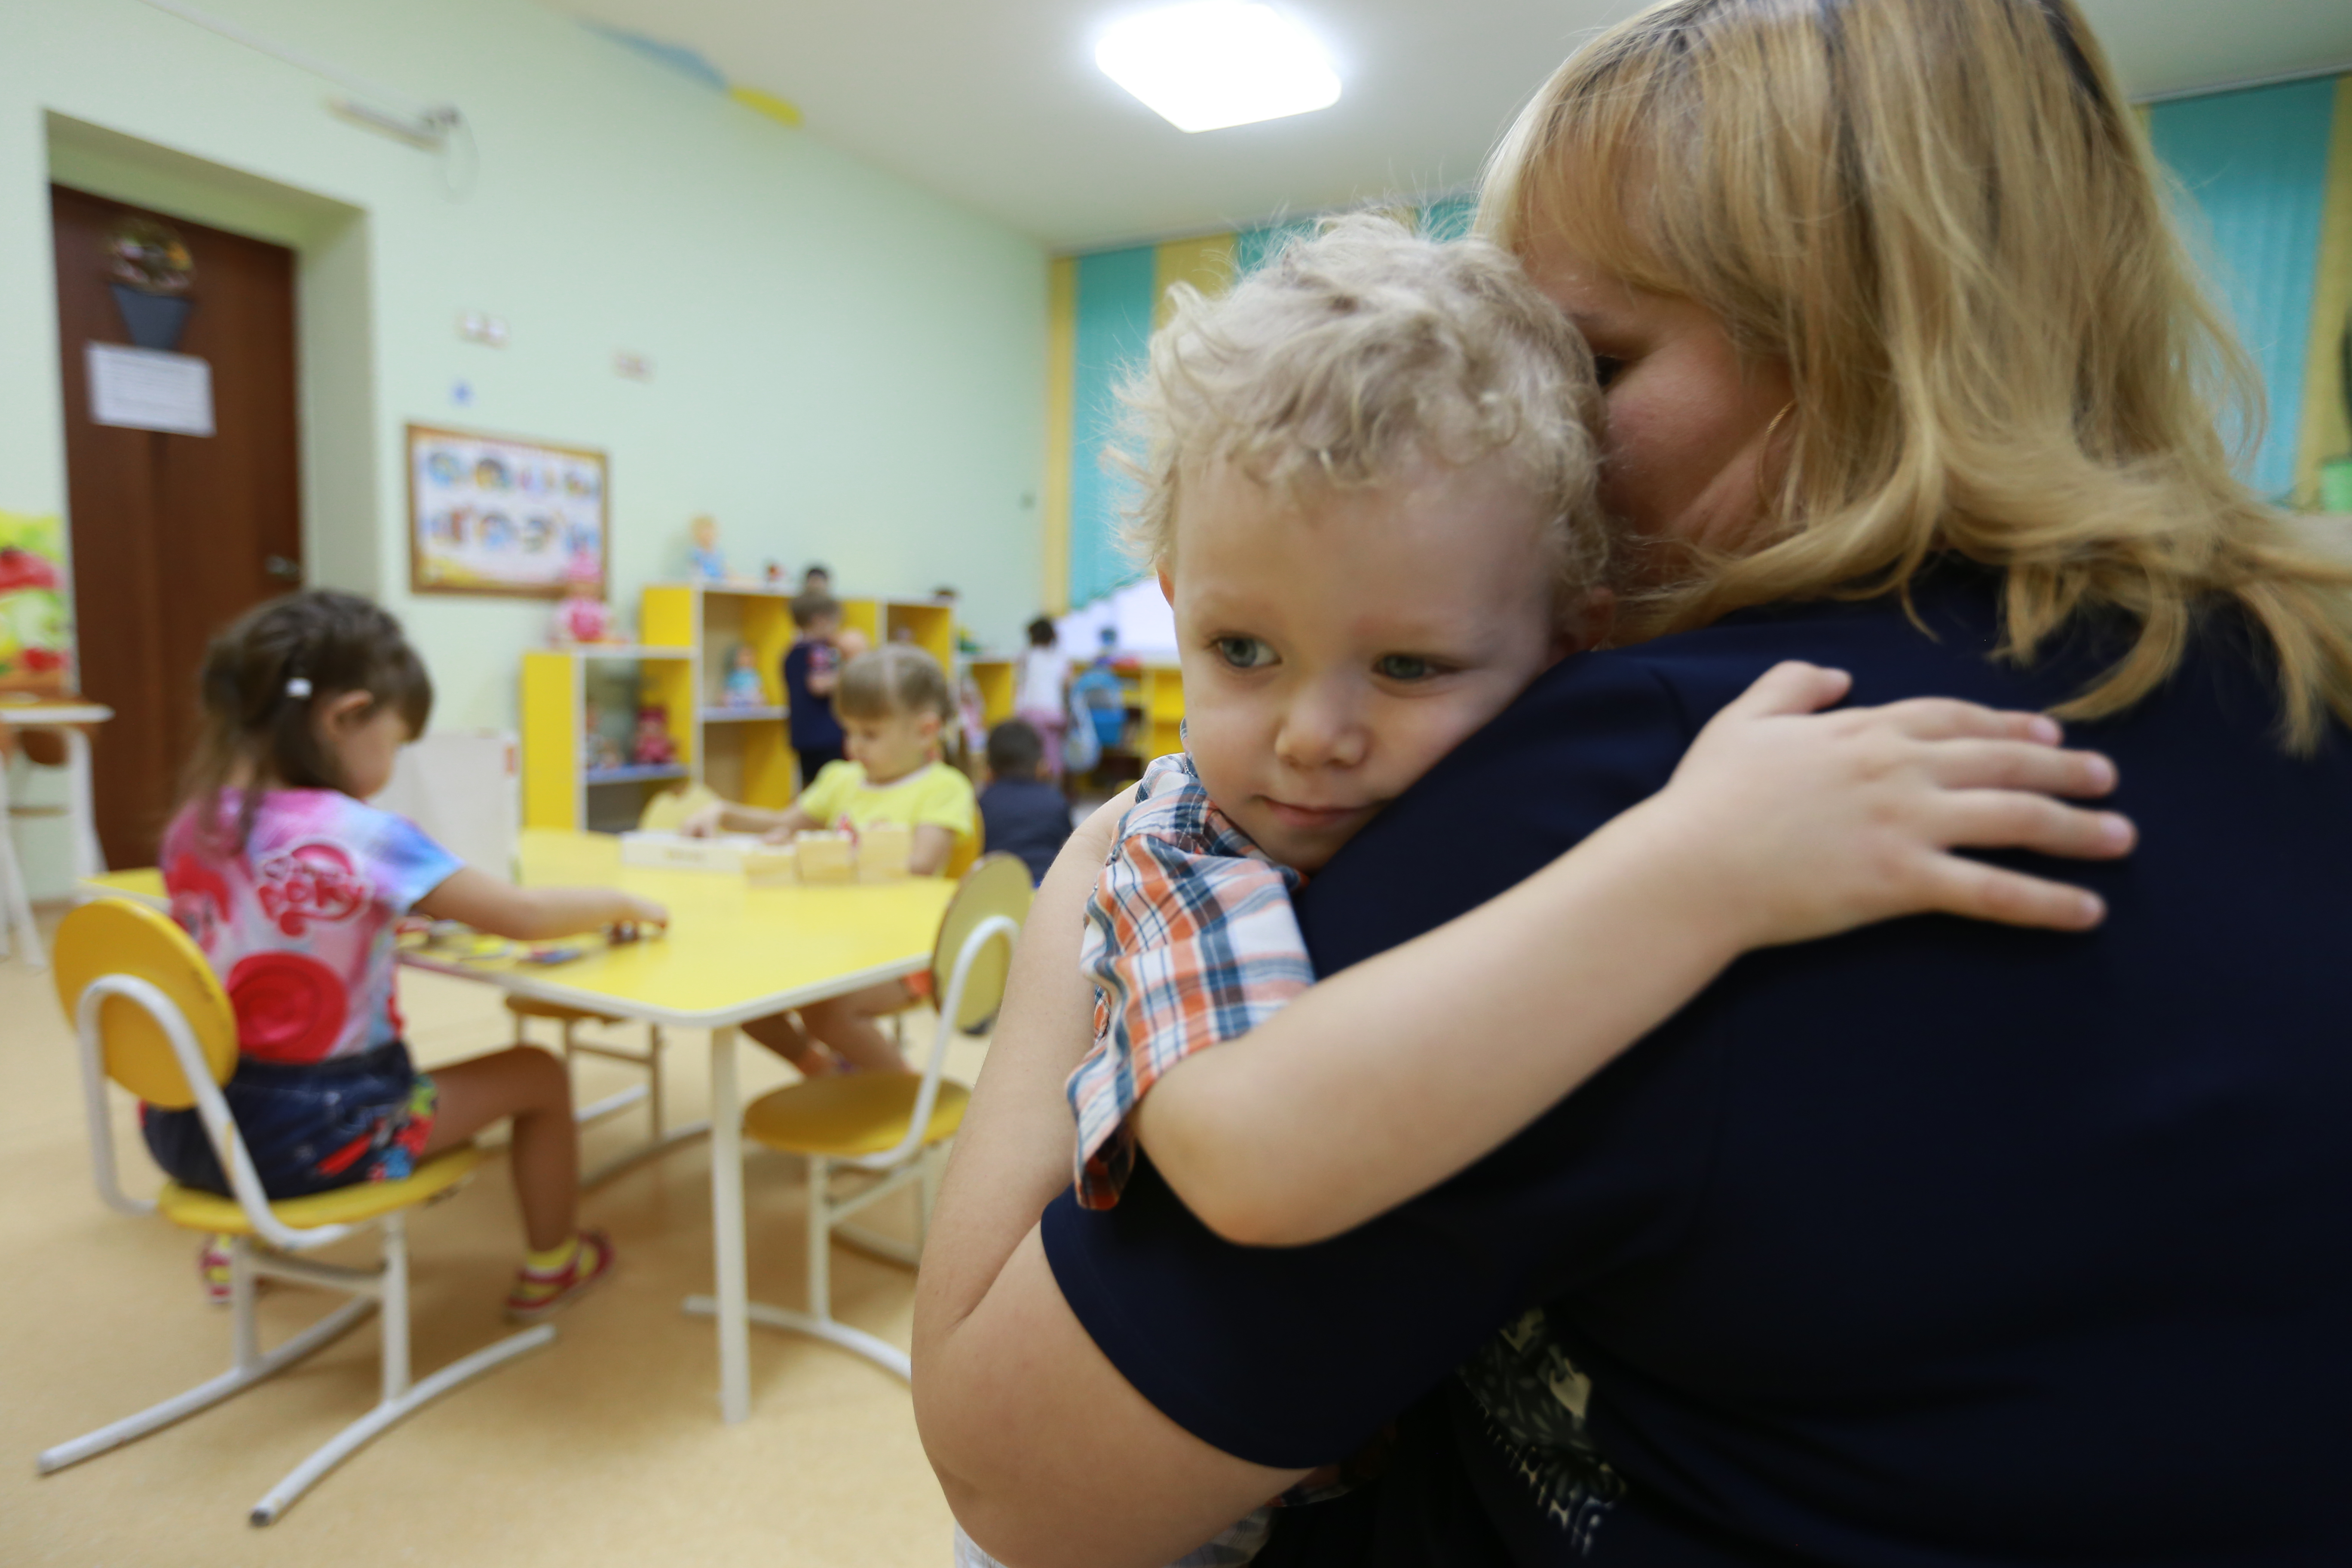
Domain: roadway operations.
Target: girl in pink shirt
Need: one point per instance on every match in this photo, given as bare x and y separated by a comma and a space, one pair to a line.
293, 885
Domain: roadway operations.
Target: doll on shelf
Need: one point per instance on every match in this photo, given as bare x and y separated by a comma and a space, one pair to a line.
707, 563
582, 617
743, 686
653, 747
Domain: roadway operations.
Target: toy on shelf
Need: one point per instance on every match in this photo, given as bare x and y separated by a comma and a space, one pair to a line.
743, 686
653, 747
582, 617
708, 564
774, 577
598, 751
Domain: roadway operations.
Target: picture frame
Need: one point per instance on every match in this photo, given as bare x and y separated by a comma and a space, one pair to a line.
506, 516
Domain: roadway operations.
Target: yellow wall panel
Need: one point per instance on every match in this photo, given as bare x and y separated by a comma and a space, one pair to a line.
1061, 437
2326, 432
1207, 263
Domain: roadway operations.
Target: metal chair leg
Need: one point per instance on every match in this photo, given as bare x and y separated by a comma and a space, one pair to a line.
400, 1396
820, 1239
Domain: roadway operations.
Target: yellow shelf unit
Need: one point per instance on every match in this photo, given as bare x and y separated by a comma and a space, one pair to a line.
743, 753
559, 788
996, 675
1162, 698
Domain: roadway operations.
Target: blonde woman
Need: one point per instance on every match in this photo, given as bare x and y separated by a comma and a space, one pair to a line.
1933, 1243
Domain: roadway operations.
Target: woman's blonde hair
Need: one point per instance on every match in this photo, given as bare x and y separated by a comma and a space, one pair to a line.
1355, 352
895, 678
1944, 218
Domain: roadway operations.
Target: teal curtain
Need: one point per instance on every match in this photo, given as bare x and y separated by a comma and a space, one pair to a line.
1114, 329
2255, 165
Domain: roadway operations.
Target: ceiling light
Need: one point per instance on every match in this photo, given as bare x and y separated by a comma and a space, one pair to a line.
1213, 63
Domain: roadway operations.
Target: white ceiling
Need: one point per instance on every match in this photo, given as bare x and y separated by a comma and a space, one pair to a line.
998, 103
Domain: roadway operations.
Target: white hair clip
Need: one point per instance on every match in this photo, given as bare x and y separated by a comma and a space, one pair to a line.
299, 687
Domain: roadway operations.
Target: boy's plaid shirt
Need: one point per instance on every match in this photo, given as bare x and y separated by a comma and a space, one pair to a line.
1191, 940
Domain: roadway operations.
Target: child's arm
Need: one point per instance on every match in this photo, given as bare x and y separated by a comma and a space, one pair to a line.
933, 844
533, 914
730, 817
1344, 1103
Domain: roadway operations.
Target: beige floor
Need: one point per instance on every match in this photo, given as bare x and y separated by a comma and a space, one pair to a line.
604, 1448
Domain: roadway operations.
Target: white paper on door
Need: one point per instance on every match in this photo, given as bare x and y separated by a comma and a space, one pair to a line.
146, 389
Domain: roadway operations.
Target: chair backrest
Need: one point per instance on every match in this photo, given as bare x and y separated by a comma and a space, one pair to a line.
965, 853
115, 936
969, 966
996, 885
151, 979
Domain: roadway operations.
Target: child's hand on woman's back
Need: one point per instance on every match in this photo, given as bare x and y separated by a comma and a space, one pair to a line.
1793, 823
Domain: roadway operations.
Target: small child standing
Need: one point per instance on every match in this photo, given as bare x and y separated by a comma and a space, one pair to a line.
1040, 692
1023, 814
891, 703
812, 665
292, 886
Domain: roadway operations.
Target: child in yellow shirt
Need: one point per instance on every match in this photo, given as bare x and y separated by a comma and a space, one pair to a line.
891, 703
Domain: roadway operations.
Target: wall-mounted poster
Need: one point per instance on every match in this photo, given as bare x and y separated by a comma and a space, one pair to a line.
488, 514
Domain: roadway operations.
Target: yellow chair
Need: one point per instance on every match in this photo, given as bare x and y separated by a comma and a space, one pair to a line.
890, 1128
152, 1016
963, 856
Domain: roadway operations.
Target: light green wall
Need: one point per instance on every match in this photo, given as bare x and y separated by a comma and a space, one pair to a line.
847, 366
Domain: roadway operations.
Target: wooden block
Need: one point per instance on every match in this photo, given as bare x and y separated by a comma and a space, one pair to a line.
771, 866
883, 851
826, 857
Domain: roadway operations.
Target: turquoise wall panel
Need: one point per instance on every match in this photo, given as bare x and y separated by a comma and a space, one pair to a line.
1115, 295
1254, 248
2255, 164
1450, 219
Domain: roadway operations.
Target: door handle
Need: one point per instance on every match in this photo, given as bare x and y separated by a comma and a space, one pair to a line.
284, 568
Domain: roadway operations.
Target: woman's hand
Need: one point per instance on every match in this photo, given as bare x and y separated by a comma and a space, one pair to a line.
1796, 824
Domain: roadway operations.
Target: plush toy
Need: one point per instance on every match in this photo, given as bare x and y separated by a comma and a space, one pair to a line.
653, 747
583, 615
743, 687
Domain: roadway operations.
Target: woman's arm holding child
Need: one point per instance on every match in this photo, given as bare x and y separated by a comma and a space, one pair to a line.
533, 914
1339, 1108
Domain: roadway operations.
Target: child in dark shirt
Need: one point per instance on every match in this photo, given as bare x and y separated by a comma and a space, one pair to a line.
810, 667
1021, 813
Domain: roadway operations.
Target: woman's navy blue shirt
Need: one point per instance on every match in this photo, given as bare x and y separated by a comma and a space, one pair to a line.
1938, 1242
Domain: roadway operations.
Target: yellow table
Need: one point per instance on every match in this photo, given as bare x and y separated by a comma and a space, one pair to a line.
734, 952
70, 718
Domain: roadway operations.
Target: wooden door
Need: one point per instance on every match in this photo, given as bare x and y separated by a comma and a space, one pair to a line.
173, 535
